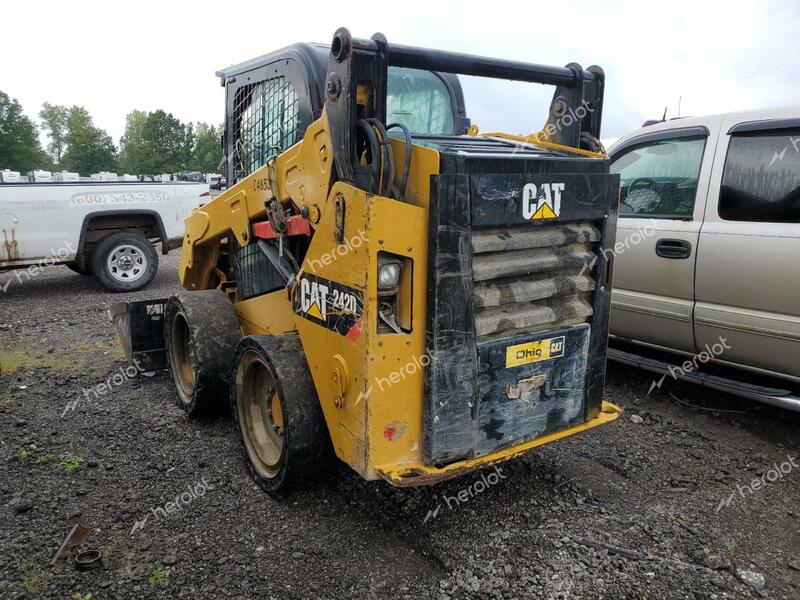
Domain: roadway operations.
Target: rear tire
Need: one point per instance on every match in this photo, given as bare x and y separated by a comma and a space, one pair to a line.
277, 412
125, 262
200, 333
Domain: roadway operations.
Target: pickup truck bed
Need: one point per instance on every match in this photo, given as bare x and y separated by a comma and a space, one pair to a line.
73, 224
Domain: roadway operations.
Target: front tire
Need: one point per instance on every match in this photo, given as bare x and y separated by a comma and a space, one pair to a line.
277, 412
125, 262
200, 333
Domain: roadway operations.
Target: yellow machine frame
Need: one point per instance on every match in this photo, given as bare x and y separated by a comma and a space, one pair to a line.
371, 388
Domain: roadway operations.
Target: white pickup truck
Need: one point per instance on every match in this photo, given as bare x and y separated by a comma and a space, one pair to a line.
95, 228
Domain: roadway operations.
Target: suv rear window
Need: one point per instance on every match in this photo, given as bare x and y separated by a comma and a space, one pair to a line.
761, 180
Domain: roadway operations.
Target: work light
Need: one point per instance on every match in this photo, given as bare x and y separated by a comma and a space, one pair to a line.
388, 273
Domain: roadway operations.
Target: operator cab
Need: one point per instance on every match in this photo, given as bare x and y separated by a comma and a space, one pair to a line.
272, 99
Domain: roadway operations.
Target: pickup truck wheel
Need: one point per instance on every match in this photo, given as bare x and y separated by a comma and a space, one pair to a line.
200, 333
125, 262
279, 417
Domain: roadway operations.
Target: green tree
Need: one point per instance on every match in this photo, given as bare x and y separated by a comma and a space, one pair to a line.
54, 122
132, 149
188, 146
20, 149
207, 151
155, 144
89, 149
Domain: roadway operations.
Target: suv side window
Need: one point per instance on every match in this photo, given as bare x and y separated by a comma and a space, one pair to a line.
265, 122
761, 180
419, 100
660, 178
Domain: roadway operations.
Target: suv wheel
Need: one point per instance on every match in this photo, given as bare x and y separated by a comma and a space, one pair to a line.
125, 262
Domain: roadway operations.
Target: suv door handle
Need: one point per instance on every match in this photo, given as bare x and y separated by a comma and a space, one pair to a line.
667, 248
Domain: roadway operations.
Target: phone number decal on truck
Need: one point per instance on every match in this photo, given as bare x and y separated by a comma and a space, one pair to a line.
99, 198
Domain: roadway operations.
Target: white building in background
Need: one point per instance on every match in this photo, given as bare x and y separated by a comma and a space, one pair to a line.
8, 176
66, 177
104, 176
40, 176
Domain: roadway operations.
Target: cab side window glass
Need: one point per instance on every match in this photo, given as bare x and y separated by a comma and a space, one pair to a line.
660, 178
419, 100
761, 180
265, 121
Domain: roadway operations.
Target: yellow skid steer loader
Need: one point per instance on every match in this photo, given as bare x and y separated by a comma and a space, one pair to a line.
383, 281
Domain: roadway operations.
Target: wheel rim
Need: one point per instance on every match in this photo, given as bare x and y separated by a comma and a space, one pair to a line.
260, 412
181, 352
126, 263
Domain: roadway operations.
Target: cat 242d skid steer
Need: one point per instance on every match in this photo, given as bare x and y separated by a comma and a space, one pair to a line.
383, 281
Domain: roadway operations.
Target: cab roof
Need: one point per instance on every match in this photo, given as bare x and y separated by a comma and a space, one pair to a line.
312, 55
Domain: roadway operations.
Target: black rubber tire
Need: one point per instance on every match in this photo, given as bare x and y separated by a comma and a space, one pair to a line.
107, 245
306, 443
76, 269
205, 325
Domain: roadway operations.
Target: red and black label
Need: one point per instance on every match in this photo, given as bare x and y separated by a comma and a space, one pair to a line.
334, 306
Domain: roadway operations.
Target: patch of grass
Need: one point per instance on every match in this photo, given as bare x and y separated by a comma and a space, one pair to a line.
88, 596
14, 360
45, 458
34, 578
78, 357
730, 551
158, 578
5, 400
23, 454
71, 463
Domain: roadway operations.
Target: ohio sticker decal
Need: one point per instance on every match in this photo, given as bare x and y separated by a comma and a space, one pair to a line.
531, 352
334, 306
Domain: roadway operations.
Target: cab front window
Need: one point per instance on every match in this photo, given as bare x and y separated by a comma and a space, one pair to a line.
420, 100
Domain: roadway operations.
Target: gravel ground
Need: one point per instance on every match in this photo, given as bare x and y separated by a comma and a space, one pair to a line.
631, 510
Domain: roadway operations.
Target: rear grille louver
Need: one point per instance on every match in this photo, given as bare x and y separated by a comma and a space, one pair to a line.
529, 279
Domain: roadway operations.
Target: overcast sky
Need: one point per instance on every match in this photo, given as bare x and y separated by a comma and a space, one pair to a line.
114, 57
